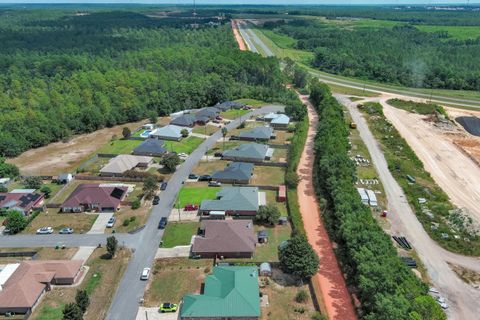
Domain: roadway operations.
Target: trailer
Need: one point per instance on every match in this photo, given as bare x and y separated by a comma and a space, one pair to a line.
363, 195
372, 198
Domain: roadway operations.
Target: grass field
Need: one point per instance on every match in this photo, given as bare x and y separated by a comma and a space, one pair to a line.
455, 32
209, 130
80, 222
195, 195
416, 107
173, 278
252, 102
221, 146
187, 145
272, 176
209, 167
179, 234
120, 146
233, 113
269, 251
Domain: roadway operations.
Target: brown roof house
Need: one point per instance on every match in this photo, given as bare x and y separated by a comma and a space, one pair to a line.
225, 238
25, 202
124, 162
24, 283
94, 197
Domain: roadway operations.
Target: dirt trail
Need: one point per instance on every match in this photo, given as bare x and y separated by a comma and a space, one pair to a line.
238, 37
61, 157
451, 169
329, 278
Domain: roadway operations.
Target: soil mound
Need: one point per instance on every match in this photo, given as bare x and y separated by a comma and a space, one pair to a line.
471, 124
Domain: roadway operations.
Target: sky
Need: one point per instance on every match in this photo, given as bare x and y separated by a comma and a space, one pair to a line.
271, 2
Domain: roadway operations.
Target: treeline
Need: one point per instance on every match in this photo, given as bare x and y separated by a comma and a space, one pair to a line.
64, 74
398, 55
386, 288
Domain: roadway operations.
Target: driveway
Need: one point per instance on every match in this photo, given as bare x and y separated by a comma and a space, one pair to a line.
153, 314
175, 252
101, 223
83, 253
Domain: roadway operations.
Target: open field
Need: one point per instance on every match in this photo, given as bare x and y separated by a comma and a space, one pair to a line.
221, 146
252, 102
195, 194
119, 146
208, 130
233, 113
179, 234
80, 222
95, 165
173, 278
272, 176
100, 282
61, 157
282, 137
455, 32
186, 145
209, 167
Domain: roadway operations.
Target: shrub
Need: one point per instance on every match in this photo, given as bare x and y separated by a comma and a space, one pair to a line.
318, 316
302, 296
126, 222
136, 204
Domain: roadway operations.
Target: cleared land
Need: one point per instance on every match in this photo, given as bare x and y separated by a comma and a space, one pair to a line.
61, 157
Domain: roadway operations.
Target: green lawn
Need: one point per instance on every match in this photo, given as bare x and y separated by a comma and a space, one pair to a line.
195, 195
269, 251
51, 312
455, 32
179, 234
55, 187
120, 146
271, 196
417, 107
233, 113
187, 145
208, 130
252, 102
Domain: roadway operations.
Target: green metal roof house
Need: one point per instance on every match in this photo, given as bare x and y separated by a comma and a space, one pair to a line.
230, 293
242, 201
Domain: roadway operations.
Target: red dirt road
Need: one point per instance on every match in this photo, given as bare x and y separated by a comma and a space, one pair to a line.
238, 37
329, 278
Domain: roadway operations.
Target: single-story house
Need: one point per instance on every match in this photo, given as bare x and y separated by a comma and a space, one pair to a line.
225, 238
277, 120
209, 112
24, 202
185, 120
94, 197
227, 105
262, 133
231, 292
150, 147
124, 162
241, 201
249, 152
235, 172
23, 288
170, 132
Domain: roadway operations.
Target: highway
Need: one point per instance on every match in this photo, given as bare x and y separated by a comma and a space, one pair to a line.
250, 37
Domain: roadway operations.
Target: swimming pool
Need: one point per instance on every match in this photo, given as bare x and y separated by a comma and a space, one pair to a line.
145, 134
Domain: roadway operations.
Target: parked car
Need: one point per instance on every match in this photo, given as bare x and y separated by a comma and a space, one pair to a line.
145, 274
216, 121
66, 230
156, 200
192, 176
218, 154
163, 223
205, 177
111, 222
234, 138
45, 230
168, 307
214, 184
163, 185
218, 118
191, 207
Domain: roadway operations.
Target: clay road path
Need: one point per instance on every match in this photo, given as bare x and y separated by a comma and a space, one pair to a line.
238, 37
329, 278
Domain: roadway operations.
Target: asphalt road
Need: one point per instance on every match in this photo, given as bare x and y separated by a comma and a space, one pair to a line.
126, 301
250, 37
462, 298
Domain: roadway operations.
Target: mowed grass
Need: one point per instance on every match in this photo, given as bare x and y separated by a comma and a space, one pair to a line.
195, 195
269, 251
455, 32
252, 102
179, 234
271, 176
80, 222
206, 130
233, 113
119, 146
271, 196
175, 277
187, 145
209, 167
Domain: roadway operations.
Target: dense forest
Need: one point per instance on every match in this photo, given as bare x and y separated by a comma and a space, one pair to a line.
68, 72
386, 288
399, 54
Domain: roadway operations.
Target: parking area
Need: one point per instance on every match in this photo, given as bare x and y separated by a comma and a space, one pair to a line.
101, 223
153, 314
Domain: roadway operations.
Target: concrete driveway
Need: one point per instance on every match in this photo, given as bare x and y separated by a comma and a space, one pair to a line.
101, 223
175, 252
153, 314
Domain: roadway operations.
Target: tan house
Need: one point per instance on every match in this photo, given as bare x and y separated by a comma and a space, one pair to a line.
123, 163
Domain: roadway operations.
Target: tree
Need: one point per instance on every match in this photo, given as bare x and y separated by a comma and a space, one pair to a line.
82, 300
71, 311
136, 203
171, 162
150, 186
152, 116
184, 133
8, 169
299, 77
298, 258
224, 135
16, 221
112, 244
3, 188
33, 182
427, 309
268, 214
46, 190
126, 132
291, 179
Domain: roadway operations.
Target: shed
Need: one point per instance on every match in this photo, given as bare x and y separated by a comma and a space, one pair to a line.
262, 236
265, 269
283, 220
64, 177
282, 193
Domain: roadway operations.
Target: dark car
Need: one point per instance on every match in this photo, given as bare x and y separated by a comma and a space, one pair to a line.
218, 154
156, 200
163, 185
192, 176
205, 177
234, 138
163, 223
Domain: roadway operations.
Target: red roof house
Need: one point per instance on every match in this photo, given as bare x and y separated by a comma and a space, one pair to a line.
22, 201
94, 197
